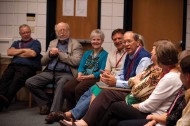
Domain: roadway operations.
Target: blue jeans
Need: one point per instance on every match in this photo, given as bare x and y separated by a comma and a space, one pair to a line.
82, 105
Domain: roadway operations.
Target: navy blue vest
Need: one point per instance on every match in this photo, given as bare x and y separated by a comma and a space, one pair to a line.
141, 54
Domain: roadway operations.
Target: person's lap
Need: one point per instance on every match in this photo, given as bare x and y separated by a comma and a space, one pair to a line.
134, 122
121, 111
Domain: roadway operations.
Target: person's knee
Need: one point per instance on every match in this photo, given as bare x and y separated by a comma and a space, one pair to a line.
67, 89
78, 89
104, 92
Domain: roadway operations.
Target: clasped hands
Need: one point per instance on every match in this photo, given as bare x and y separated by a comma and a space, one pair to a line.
108, 78
54, 51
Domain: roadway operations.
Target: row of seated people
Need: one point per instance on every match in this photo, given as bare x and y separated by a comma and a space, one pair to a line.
61, 60
65, 53
171, 67
114, 64
163, 90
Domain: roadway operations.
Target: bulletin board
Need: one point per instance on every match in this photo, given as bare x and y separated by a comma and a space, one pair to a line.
80, 27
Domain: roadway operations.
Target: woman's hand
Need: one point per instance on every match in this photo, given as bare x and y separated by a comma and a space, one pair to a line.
151, 123
150, 117
158, 118
83, 77
79, 78
135, 106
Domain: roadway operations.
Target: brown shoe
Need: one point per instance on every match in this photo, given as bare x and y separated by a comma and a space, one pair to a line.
54, 117
44, 110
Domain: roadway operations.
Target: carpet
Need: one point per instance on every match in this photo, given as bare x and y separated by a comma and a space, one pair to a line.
19, 114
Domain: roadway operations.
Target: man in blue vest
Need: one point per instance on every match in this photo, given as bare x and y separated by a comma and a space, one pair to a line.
137, 60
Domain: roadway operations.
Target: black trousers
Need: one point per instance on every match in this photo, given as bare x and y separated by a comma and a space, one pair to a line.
119, 111
134, 122
14, 78
101, 104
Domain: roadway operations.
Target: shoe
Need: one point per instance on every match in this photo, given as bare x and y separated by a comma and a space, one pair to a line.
44, 110
54, 117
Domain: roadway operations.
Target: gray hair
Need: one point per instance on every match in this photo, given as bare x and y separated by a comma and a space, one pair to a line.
96, 32
24, 25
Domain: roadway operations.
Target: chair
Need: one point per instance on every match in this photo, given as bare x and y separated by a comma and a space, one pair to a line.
48, 89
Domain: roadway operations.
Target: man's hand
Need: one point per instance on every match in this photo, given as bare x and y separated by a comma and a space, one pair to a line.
108, 79
54, 51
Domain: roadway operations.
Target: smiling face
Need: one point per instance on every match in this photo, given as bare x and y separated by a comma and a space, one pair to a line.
129, 43
96, 42
118, 41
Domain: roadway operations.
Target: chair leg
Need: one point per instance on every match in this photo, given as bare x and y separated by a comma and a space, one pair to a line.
30, 100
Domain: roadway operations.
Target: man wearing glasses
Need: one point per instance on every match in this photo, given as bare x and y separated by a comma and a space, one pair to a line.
25, 63
61, 60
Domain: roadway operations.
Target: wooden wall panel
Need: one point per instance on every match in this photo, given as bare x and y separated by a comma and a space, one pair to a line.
158, 19
80, 27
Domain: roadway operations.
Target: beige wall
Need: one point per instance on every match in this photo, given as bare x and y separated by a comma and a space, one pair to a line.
13, 13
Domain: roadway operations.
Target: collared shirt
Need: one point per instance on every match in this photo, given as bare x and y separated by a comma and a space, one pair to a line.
113, 59
143, 64
60, 66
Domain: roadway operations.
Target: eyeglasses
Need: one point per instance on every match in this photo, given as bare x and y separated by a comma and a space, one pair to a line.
128, 42
62, 30
27, 32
